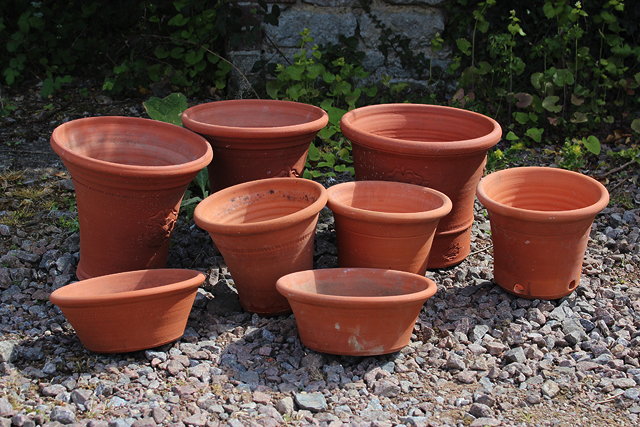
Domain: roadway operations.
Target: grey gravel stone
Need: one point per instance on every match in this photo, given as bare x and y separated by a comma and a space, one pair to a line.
62, 415
8, 350
515, 355
285, 406
550, 389
480, 410
314, 402
6, 409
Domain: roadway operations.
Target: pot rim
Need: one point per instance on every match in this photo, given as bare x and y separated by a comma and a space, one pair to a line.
285, 286
350, 128
499, 208
190, 280
280, 132
202, 219
388, 217
131, 170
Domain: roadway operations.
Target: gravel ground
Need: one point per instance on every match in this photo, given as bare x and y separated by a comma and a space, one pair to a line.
478, 356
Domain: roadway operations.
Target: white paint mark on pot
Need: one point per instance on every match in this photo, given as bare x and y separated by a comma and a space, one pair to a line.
337, 326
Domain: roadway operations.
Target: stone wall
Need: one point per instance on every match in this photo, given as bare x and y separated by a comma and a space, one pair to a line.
418, 20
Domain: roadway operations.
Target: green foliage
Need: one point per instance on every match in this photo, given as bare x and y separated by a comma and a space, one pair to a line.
138, 45
168, 109
320, 77
548, 67
50, 41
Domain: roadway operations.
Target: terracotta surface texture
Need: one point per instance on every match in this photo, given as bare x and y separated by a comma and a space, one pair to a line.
443, 148
129, 176
355, 311
384, 224
255, 138
129, 311
540, 223
264, 229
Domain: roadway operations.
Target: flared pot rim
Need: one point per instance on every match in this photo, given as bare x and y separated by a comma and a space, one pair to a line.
65, 297
569, 215
319, 120
388, 217
128, 170
361, 136
286, 286
202, 219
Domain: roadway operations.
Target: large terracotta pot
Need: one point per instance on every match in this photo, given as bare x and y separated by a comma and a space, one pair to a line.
356, 311
129, 311
438, 147
540, 223
384, 224
255, 138
129, 176
264, 229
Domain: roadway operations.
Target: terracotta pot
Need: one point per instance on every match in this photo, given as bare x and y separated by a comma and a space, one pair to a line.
264, 229
129, 176
540, 223
383, 224
438, 147
255, 138
355, 311
129, 311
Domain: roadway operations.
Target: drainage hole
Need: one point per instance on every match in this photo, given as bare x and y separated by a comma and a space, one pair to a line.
572, 285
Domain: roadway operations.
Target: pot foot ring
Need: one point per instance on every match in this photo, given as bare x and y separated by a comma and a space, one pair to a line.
529, 291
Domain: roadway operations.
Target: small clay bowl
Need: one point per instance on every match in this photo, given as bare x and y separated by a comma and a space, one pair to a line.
129, 311
355, 311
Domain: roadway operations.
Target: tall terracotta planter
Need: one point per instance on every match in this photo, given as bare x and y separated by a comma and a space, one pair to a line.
383, 224
540, 223
129, 176
129, 311
438, 147
356, 311
255, 138
264, 229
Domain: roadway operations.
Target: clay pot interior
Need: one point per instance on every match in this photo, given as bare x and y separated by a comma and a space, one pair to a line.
381, 198
384, 224
544, 190
423, 124
253, 113
355, 311
129, 311
129, 141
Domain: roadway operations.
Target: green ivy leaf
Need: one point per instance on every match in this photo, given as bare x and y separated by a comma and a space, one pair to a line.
464, 45
512, 137
563, 77
635, 125
537, 80
535, 134
592, 144
550, 103
314, 153
522, 118
178, 20
168, 109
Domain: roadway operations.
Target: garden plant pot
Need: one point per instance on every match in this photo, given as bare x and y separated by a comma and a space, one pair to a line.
355, 311
384, 224
255, 138
540, 223
129, 311
129, 176
264, 229
438, 147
